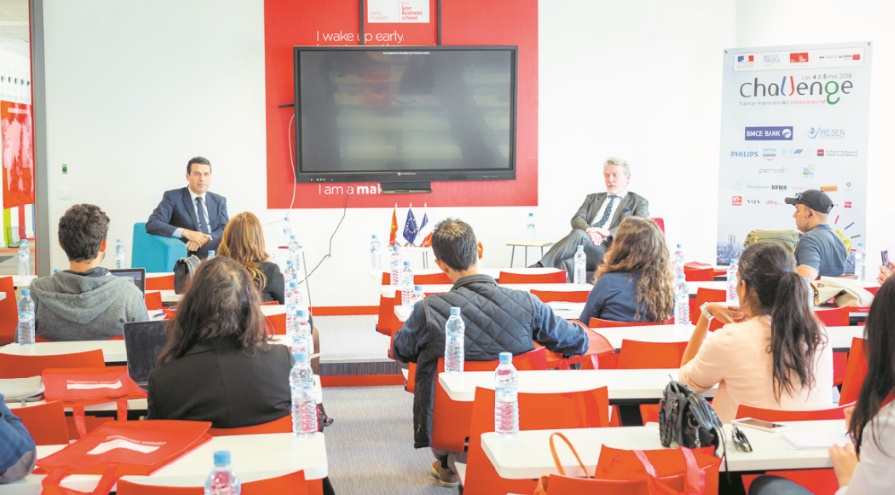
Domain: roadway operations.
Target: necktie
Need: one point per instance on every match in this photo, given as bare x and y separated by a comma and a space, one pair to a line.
606, 213
200, 212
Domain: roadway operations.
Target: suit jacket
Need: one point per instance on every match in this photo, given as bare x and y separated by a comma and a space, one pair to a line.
178, 211
220, 382
632, 205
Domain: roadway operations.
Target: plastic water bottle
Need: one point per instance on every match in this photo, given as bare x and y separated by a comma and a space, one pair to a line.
580, 272
418, 295
531, 226
678, 260
119, 254
24, 257
376, 255
26, 318
506, 398
295, 252
681, 302
407, 285
290, 273
732, 297
395, 264
304, 404
301, 339
222, 480
210, 255
291, 297
454, 342
860, 265
287, 231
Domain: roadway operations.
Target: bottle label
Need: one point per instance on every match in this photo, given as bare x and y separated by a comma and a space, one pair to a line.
25, 317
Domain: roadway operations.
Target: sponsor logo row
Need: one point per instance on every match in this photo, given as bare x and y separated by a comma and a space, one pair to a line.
740, 201
786, 133
772, 153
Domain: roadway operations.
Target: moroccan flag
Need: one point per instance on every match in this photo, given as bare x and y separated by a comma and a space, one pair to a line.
410, 228
425, 229
393, 232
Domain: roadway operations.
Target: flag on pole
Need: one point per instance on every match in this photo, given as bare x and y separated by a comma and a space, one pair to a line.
425, 229
410, 228
393, 232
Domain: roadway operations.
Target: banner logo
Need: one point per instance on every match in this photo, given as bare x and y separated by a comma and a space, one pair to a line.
737, 201
778, 133
822, 133
744, 154
788, 88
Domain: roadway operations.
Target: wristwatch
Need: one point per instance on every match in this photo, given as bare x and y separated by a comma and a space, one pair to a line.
705, 311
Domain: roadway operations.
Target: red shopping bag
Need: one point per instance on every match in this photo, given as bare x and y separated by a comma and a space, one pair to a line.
670, 471
119, 449
79, 387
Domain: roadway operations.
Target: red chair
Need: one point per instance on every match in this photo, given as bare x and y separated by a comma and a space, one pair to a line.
153, 300
833, 317
576, 296
434, 278
600, 354
292, 483
704, 295
818, 481
855, 372
557, 277
388, 322
660, 222
164, 282
270, 303
599, 322
277, 323
450, 419
45, 422
635, 354
9, 313
584, 409
17, 366
282, 425
699, 274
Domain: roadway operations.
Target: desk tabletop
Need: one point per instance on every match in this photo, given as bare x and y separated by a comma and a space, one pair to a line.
254, 457
527, 455
389, 291
623, 385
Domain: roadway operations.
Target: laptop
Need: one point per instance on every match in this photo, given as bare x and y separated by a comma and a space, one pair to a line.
143, 342
137, 276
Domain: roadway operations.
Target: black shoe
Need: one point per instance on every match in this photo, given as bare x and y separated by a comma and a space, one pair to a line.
536, 265
322, 419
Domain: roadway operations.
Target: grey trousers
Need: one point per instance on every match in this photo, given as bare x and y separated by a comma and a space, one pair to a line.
562, 254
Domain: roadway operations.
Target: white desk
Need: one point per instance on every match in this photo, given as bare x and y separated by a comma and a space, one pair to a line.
113, 350
623, 385
254, 457
2, 296
22, 281
527, 455
840, 337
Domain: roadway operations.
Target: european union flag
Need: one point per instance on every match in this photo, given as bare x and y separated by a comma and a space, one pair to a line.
410, 228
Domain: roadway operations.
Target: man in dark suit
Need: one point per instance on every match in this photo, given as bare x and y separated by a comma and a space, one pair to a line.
597, 220
192, 214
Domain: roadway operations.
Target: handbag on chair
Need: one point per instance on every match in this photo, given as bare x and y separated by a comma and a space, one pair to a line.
686, 419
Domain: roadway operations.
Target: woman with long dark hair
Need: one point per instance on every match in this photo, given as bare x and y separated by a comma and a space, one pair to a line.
635, 281
218, 365
772, 352
243, 242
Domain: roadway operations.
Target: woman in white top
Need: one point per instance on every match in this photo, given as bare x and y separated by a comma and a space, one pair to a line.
871, 423
772, 352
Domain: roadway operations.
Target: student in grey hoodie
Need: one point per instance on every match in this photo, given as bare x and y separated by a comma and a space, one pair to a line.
85, 302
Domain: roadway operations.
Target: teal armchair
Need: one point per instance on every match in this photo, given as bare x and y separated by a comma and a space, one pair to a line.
155, 253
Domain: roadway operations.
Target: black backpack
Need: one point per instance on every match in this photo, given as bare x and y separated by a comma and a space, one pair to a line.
183, 272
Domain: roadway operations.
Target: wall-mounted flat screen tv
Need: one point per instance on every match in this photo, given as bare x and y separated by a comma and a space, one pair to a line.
405, 116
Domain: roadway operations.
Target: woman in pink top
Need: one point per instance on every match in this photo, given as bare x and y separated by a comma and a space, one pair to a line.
772, 352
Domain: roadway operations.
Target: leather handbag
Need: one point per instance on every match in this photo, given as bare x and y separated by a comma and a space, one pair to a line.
686, 419
843, 291
183, 272
114, 450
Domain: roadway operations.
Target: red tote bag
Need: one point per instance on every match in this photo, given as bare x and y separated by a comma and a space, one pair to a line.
79, 387
698, 467
119, 449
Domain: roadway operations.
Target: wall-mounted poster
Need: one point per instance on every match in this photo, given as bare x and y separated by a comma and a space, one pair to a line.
18, 154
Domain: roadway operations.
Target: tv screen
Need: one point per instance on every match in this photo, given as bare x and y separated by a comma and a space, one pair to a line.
402, 114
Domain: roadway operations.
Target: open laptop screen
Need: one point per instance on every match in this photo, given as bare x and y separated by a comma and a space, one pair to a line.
143, 342
137, 275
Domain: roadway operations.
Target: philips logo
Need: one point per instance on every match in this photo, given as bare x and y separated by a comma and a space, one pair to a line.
769, 133
744, 154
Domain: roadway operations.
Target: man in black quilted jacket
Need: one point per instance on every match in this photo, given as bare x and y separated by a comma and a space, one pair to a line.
497, 320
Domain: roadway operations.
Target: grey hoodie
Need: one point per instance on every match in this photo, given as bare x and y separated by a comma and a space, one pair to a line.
69, 306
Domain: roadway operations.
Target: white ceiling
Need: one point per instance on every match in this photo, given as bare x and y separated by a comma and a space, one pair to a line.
15, 34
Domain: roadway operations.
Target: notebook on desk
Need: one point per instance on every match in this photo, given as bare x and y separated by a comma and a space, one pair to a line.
137, 275
143, 342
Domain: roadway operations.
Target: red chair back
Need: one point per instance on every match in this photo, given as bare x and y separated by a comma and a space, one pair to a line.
699, 274
600, 354
557, 277
833, 317
635, 354
744, 411
536, 412
855, 372
278, 323
282, 425
660, 222
164, 282
9, 313
270, 303
45, 422
704, 295
577, 296
599, 322
388, 322
153, 300
431, 279
16, 366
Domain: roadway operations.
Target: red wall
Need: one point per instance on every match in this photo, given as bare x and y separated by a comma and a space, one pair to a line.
289, 23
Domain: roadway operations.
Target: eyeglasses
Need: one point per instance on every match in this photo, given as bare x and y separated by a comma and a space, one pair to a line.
740, 441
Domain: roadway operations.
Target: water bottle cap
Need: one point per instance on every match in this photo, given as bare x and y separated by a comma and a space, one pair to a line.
118, 240
581, 247
293, 283
505, 357
406, 263
221, 457
860, 244
302, 313
418, 287
455, 310
300, 357
292, 237
395, 248
531, 214
374, 236
211, 252
26, 292
288, 262
678, 246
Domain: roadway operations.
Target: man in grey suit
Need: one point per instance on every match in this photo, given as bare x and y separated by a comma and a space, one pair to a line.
597, 220
192, 214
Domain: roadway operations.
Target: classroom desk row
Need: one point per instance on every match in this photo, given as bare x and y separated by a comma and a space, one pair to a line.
254, 457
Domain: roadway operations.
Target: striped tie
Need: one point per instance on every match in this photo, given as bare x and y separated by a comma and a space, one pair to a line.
607, 213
